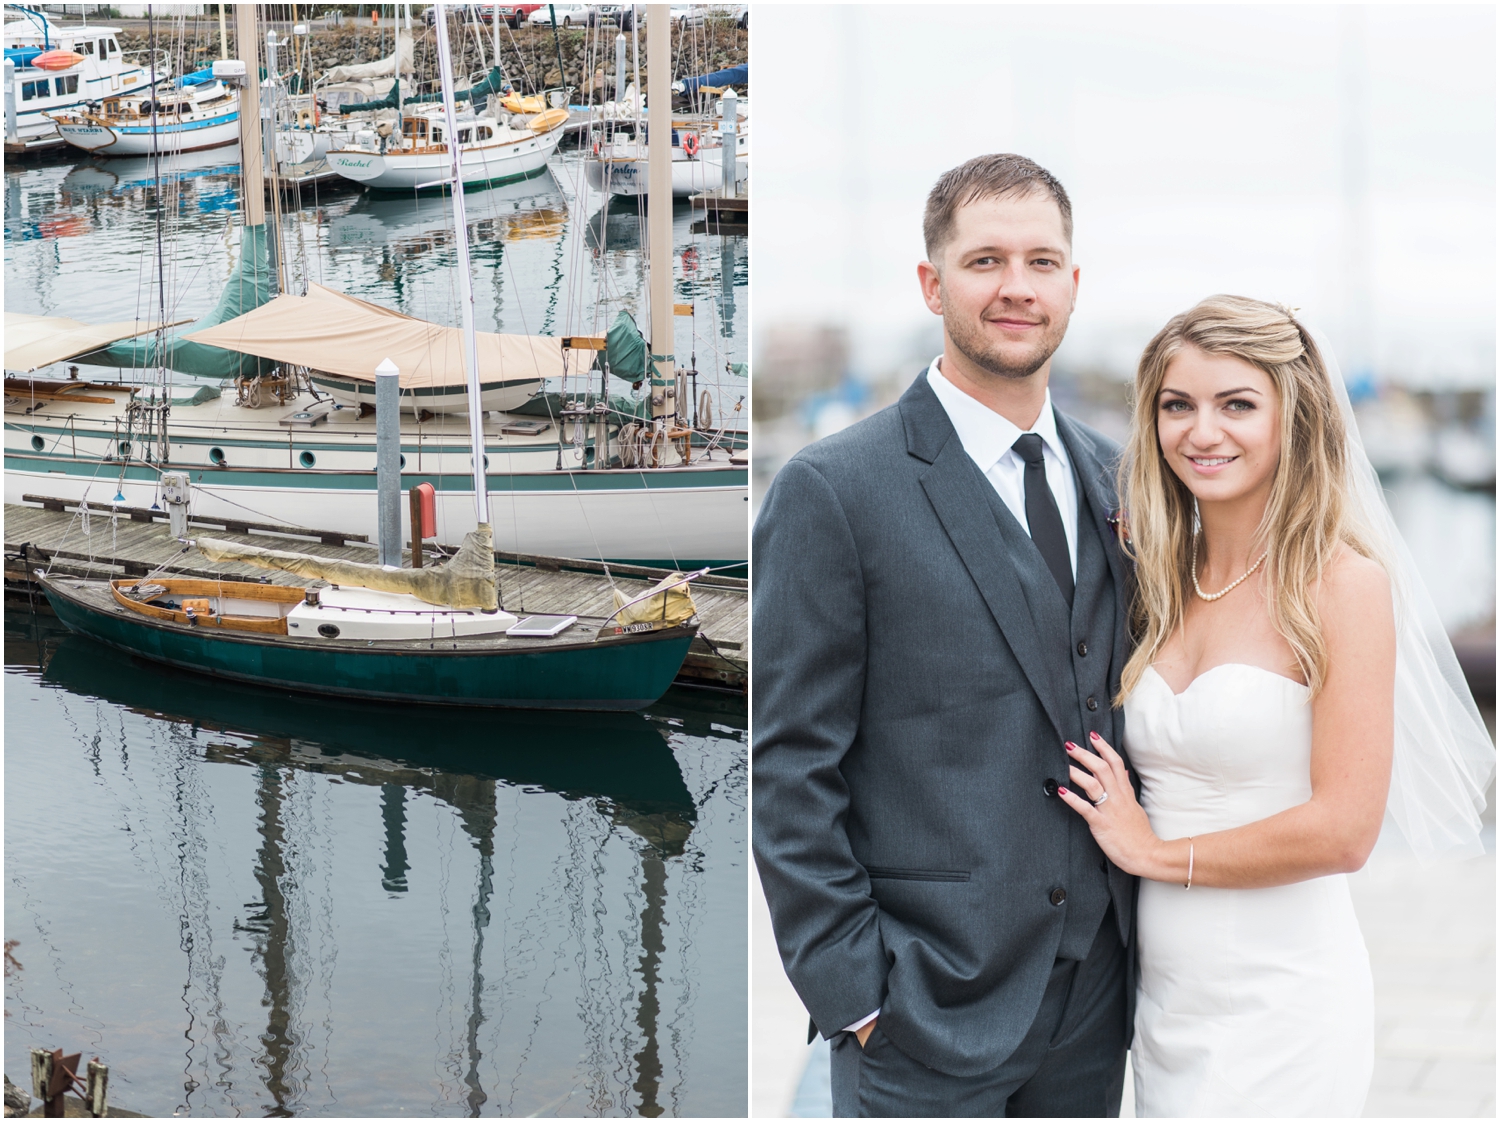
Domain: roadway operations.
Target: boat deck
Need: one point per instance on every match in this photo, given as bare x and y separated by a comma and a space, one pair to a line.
132, 542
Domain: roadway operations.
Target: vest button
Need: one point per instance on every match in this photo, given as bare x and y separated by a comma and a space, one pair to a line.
1058, 896
1092, 704
1083, 648
1049, 788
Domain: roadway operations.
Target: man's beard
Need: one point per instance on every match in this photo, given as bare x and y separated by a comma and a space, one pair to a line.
970, 341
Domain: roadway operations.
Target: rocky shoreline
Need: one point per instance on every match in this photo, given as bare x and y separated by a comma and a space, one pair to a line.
529, 56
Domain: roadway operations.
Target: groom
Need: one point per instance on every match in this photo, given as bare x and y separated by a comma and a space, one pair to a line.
939, 604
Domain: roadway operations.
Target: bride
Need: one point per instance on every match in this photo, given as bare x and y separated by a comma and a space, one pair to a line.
1287, 657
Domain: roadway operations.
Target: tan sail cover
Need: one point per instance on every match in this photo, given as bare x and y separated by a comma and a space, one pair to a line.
329, 331
32, 342
466, 581
663, 604
380, 68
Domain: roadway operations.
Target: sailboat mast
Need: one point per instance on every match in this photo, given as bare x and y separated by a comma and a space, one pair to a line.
465, 280
251, 165
659, 208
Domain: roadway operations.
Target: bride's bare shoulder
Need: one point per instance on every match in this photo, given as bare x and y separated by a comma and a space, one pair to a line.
1355, 595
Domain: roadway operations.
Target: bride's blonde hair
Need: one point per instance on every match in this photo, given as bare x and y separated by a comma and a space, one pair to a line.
1306, 517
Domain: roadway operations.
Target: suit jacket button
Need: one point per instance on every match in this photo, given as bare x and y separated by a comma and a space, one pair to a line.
1083, 648
1049, 788
1092, 704
1058, 896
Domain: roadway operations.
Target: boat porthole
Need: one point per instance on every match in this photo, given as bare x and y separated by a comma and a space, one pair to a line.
328, 630
486, 463
307, 459
216, 457
403, 463
37, 444
124, 447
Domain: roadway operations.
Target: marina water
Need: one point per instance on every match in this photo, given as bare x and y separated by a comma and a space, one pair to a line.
251, 902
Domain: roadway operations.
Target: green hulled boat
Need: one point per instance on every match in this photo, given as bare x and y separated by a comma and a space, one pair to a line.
243, 631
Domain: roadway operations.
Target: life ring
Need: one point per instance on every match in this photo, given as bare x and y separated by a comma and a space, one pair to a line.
305, 119
690, 144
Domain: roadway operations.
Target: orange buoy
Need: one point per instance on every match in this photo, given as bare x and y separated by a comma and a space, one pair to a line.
57, 60
427, 509
690, 144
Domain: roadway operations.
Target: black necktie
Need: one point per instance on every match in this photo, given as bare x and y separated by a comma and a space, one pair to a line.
1042, 517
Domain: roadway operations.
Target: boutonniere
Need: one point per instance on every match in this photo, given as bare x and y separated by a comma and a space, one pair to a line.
1120, 520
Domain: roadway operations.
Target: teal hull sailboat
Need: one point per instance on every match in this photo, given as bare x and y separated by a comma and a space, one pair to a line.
578, 669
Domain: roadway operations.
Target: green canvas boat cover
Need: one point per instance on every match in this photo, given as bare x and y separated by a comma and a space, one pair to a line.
250, 285
389, 101
493, 82
625, 349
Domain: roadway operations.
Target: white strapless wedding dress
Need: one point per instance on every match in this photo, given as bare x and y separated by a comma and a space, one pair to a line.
1252, 1001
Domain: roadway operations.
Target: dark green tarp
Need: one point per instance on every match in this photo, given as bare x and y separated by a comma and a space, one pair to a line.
493, 82
389, 101
250, 285
625, 349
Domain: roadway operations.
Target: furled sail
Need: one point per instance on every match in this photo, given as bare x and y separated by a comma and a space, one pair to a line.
667, 604
466, 581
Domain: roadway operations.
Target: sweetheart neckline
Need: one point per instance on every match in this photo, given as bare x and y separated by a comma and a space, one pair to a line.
1221, 666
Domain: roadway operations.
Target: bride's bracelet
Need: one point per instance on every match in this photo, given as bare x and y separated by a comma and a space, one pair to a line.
1189, 883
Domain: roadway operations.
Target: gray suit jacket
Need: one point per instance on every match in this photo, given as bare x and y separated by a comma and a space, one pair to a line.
914, 681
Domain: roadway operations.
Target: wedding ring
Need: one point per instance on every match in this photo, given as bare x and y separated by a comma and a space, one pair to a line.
1102, 799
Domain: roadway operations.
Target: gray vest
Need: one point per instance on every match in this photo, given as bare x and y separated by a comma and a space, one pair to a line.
1084, 644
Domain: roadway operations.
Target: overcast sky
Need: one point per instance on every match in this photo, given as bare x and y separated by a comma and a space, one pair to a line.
1341, 160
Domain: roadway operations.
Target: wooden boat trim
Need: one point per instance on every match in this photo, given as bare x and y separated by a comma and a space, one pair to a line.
76, 589
240, 590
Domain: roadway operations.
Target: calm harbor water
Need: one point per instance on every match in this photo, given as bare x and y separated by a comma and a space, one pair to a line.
249, 902
549, 257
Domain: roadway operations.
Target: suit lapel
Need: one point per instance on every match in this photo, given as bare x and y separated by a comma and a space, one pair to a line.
1098, 496
989, 545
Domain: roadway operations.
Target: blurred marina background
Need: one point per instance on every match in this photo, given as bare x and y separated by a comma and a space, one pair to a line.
1340, 160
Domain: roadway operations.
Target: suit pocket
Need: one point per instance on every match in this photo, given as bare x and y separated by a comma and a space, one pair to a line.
884, 872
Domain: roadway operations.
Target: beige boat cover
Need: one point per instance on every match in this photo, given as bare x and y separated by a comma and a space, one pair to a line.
380, 68
32, 342
466, 581
663, 604
329, 331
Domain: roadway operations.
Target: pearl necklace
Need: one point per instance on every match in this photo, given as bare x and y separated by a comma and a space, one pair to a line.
1211, 596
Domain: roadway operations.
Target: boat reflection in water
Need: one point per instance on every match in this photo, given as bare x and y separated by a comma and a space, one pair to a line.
562, 906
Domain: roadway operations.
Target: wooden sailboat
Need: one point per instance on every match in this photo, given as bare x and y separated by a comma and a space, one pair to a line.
436, 635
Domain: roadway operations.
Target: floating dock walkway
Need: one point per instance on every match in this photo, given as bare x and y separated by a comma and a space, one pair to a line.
115, 542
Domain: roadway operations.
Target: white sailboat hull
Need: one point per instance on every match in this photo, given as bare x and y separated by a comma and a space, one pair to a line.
115, 140
674, 516
619, 172
481, 164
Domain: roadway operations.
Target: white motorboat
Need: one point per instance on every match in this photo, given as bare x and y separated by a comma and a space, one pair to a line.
204, 114
492, 151
99, 70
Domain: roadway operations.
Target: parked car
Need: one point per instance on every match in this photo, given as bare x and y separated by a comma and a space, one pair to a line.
513, 14
568, 15
620, 14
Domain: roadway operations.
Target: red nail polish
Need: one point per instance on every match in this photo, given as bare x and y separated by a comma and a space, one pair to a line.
1062, 791
1094, 736
1070, 746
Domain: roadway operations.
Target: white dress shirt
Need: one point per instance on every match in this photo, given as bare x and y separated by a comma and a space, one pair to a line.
987, 437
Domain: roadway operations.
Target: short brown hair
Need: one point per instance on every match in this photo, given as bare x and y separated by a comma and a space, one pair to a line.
995, 176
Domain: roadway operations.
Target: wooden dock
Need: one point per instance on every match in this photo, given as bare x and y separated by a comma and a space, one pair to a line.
132, 542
